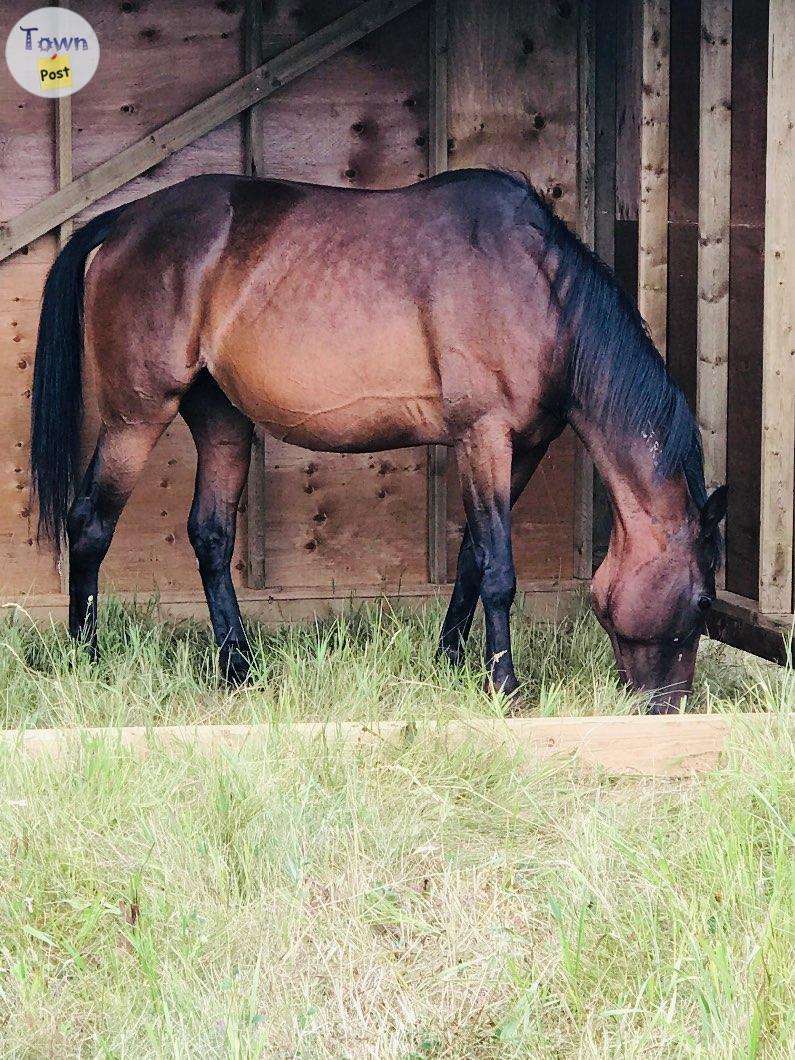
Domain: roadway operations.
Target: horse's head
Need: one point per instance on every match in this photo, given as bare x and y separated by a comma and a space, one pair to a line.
651, 594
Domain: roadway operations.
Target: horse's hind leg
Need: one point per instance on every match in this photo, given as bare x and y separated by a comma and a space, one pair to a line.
464, 598
119, 457
484, 456
223, 444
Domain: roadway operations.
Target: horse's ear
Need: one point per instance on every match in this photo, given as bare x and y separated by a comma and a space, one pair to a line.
714, 510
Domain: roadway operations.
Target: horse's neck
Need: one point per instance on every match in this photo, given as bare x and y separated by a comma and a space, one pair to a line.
628, 467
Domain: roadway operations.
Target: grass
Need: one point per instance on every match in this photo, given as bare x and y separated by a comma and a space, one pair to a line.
413, 902
372, 664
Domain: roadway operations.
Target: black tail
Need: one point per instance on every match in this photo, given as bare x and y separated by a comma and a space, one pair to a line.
57, 404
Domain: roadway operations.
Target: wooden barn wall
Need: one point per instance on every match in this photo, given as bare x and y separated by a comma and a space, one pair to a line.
683, 193
513, 102
748, 105
628, 103
27, 174
360, 119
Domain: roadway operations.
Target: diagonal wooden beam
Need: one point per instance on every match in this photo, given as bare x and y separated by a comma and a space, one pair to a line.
197, 121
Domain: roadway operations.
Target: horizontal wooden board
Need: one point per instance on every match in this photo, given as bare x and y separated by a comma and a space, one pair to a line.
545, 600
674, 746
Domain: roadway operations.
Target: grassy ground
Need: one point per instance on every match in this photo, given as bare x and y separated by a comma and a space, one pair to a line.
413, 903
376, 663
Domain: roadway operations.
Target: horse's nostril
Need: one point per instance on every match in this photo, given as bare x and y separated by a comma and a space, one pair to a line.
705, 603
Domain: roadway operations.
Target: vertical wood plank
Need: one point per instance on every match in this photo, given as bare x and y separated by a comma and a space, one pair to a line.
253, 155
714, 207
586, 156
605, 145
437, 163
64, 166
653, 211
778, 343
605, 176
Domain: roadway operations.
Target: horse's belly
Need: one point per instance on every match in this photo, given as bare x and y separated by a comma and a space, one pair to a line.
333, 389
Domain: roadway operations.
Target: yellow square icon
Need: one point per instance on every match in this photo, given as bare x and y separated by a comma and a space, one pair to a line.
55, 72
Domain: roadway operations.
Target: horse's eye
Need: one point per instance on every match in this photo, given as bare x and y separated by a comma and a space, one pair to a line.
705, 603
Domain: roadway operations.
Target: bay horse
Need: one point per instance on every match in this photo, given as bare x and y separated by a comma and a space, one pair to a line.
459, 311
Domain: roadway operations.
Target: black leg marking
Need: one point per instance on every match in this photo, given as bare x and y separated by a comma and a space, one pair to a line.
464, 598
223, 444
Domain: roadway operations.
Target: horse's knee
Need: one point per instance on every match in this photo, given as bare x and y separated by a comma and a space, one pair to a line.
212, 541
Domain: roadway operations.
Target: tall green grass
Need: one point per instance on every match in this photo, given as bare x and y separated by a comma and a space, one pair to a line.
408, 903
405, 902
375, 662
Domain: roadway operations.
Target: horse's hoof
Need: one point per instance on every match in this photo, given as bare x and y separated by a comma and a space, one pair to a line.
509, 691
235, 665
517, 706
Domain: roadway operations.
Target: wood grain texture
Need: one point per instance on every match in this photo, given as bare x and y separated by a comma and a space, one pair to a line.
683, 162
674, 746
586, 229
714, 211
629, 79
778, 347
24, 567
746, 293
28, 172
653, 210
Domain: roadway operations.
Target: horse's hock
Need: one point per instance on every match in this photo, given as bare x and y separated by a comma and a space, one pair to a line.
660, 132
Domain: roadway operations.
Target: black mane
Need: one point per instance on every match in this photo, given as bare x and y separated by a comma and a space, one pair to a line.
616, 374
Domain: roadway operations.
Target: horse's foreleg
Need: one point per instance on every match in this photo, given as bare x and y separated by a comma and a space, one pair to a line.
223, 443
464, 598
118, 460
484, 463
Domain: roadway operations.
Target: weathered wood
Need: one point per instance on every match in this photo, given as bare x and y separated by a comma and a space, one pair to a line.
253, 164
746, 294
586, 162
737, 621
714, 206
653, 211
198, 120
778, 351
605, 121
673, 746
605, 33
629, 90
437, 163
